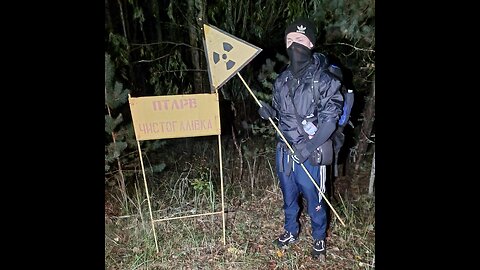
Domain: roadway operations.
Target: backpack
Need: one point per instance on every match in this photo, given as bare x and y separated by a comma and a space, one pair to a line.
337, 137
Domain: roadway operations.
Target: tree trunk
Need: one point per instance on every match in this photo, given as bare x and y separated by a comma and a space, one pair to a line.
229, 14
157, 15
108, 18
366, 128
372, 176
203, 63
125, 33
195, 21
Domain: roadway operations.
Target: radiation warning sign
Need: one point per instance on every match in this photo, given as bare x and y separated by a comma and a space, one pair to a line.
175, 116
226, 54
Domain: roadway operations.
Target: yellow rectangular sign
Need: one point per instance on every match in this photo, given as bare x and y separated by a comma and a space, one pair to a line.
175, 116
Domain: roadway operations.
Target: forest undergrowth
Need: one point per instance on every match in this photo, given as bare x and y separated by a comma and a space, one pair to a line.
190, 184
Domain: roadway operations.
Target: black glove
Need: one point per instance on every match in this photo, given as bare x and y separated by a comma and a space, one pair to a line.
301, 153
266, 111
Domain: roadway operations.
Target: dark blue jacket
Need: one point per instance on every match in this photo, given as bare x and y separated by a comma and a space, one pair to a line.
330, 101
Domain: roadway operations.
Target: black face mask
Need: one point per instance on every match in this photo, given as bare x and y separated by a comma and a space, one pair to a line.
300, 56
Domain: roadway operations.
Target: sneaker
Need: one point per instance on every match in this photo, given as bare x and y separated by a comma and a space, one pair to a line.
319, 249
286, 239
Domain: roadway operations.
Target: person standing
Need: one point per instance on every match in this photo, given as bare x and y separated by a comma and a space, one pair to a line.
294, 105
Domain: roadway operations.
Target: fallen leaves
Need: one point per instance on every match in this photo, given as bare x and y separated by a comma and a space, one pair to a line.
280, 253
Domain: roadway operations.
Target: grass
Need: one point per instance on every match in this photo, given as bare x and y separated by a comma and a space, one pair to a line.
253, 219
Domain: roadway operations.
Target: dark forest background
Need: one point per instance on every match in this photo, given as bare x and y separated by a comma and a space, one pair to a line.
156, 48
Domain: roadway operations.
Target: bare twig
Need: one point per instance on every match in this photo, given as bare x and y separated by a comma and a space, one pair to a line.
350, 45
177, 70
372, 176
275, 183
274, 193
239, 149
347, 259
151, 60
181, 184
366, 137
252, 174
167, 42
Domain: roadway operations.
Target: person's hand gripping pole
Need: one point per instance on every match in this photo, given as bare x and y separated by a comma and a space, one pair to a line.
291, 149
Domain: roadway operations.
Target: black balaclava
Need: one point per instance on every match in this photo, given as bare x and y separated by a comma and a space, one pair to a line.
300, 57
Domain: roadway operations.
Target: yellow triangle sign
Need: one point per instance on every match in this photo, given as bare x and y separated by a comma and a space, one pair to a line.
226, 54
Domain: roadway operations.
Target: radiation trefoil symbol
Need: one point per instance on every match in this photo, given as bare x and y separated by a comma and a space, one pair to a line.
226, 54
228, 63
